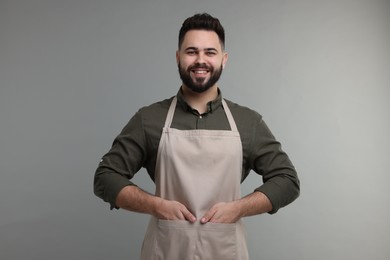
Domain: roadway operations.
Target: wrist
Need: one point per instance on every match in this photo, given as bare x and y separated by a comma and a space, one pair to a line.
254, 204
239, 208
156, 206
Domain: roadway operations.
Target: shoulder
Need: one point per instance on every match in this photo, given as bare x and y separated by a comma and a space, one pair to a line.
241, 112
153, 116
156, 108
154, 111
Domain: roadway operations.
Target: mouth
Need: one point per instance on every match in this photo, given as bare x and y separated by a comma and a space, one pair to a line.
199, 71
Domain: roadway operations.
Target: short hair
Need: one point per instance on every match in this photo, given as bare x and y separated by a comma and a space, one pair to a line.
202, 21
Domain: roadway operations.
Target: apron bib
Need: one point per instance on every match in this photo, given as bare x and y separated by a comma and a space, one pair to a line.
198, 168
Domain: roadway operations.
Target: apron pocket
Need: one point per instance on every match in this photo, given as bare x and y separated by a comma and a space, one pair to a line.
218, 241
184, 240
174, 240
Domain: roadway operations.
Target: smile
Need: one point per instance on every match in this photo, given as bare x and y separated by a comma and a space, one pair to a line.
199, 72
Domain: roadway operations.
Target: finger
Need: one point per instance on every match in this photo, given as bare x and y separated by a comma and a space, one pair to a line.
185, 213
188, 215
207, 216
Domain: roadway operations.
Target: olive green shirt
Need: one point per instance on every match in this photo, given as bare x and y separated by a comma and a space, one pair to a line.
137, 144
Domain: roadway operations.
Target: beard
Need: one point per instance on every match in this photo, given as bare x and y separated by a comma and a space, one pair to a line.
199, 84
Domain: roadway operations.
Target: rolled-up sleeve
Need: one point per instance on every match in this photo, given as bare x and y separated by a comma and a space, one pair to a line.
123, 160
280, 180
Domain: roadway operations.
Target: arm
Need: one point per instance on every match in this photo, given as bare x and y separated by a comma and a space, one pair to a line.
254, 204
280, 181
230, 212
135, 199
131, 151
121, 162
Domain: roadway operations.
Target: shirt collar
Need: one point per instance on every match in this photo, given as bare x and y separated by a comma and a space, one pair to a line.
212, 105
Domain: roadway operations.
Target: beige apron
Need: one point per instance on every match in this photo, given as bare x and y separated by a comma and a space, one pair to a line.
198, 168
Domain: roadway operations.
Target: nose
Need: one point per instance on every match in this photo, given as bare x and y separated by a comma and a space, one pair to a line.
200, 57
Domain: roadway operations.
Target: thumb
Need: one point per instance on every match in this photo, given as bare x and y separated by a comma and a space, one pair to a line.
207, 217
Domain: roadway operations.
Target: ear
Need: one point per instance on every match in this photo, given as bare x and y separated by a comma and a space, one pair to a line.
177, 57
224, 59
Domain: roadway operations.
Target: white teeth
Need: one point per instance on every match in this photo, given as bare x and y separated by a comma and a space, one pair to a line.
200, 72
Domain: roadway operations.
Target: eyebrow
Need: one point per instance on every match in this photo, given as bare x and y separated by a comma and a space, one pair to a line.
197, 49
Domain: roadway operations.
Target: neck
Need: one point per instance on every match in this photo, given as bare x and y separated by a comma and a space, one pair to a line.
199, 101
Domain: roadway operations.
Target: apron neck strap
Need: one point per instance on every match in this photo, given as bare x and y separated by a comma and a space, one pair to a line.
171, 112
229, 116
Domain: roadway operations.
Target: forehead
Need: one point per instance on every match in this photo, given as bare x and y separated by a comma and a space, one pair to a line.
201, 39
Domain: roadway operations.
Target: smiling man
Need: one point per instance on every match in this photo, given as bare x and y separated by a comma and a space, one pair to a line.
197, 147
201, 58
200, 66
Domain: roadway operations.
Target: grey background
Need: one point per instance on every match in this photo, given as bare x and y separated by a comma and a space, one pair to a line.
73, 72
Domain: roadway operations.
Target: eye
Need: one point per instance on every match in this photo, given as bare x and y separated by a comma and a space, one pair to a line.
210, 53
191, 52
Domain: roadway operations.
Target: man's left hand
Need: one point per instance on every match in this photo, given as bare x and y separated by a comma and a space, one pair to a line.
223, 212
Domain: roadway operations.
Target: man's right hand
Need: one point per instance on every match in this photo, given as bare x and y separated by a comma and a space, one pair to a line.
135, 199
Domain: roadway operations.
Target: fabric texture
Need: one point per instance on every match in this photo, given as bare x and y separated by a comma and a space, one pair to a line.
137, 145
180, 177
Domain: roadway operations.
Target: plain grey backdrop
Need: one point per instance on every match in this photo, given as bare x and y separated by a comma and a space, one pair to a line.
73, 72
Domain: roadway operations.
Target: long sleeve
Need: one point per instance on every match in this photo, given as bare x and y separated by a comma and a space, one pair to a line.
123, 160
137, 145
280, 179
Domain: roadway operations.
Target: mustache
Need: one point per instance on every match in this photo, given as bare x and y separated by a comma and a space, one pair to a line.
200, 66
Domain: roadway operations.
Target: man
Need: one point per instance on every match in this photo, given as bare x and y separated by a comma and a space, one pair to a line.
197, 147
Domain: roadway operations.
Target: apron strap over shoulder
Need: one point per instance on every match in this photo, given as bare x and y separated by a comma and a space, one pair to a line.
171, 112
229, 115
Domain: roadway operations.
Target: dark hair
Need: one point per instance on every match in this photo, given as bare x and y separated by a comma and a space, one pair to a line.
202, 21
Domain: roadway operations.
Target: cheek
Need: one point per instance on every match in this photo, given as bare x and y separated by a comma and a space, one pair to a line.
185, 62
218, 64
